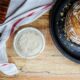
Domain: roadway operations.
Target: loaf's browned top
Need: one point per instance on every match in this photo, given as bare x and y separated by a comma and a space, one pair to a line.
3, 9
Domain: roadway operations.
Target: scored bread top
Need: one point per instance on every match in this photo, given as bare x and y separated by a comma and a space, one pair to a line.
72, 23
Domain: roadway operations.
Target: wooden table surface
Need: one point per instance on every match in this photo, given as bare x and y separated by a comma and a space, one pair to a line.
50, 65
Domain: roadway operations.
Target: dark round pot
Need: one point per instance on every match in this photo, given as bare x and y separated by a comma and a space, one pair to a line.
67, 48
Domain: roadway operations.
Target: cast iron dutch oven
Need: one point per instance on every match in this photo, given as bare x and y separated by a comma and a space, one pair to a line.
67, 48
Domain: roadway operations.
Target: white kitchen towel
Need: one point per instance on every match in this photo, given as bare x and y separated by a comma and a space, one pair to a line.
20, 12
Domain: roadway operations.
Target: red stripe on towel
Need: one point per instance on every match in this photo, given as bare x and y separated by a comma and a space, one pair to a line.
4, 64
14, 25
48, 5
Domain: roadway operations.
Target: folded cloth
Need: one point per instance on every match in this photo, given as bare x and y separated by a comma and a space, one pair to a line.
20, 12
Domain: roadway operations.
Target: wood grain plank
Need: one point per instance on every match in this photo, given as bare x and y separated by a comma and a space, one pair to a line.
3, 9
50, 65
